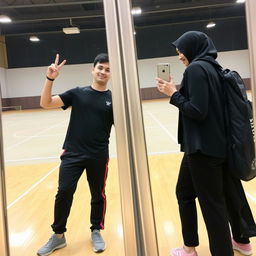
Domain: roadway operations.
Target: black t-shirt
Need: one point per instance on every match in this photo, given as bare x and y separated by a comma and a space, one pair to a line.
90, 121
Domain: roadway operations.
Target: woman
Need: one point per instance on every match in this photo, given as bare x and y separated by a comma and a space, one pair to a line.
201, 134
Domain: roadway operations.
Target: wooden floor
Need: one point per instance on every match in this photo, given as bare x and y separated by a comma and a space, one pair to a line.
33, 141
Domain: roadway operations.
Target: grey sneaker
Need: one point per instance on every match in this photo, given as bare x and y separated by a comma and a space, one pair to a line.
98, 243
53, 244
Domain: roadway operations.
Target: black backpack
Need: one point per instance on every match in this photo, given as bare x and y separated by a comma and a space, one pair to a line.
239, 124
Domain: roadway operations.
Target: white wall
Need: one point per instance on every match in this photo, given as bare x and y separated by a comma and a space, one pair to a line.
236, 60
21, 82
3, 82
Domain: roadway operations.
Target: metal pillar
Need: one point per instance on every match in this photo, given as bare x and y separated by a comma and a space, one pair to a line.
4, 243
136, 196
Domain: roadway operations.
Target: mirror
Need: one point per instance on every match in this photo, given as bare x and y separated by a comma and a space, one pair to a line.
33, 137
156, 25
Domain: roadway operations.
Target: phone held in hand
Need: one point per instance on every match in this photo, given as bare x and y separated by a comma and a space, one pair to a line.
163, 71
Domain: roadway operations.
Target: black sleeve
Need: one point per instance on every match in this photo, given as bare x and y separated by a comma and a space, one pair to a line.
67, 97
195, 106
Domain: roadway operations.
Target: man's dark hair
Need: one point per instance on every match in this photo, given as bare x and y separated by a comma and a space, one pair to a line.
100, 58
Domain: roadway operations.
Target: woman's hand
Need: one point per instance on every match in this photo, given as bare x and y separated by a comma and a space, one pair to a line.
167, 88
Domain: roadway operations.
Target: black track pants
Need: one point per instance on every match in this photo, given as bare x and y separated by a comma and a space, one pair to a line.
71, 169
202, 177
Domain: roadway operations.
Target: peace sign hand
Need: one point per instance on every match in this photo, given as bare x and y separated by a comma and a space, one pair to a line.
53, 69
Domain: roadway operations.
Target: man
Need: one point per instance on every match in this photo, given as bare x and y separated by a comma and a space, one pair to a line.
85, 148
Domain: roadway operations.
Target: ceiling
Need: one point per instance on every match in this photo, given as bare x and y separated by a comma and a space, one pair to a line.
50, 16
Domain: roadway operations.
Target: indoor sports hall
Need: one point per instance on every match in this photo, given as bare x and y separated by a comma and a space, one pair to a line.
142, 215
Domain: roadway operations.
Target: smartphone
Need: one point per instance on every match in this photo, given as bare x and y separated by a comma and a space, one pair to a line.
163, 71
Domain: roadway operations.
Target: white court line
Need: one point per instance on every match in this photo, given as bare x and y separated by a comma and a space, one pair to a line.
37, 136
32, 159
251, 197
163, 152
32, 187
111, 156
163, 127
153, 153
51, 171
29, 138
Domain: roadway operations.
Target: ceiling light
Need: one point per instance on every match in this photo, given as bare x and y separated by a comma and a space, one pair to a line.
240, 1
34, 39
5, 19
71, 30
211, 24
136, 11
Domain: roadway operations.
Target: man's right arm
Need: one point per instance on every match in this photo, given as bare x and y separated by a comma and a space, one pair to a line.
47, 100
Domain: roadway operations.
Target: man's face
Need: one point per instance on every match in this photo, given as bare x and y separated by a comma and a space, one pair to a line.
101, 73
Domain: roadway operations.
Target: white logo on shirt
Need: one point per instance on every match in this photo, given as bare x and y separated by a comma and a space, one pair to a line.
108, 103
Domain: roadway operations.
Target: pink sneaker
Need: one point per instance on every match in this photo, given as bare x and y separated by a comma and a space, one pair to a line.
245, 249
182, 252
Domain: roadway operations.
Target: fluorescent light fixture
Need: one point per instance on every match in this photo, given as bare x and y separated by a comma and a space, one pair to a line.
136, 11
211, 24
240, 1
5, 19
34, 39
71, 30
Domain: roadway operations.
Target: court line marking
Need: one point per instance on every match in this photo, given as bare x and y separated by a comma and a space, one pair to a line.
29, 138
163, 127
41, 180
31, 159
52, 170
19, 134
153, 153
164, 152
38, 136
111, 156
32, 187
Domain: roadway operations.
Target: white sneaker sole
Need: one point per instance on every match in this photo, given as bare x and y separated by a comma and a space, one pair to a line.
56, 248
100, 250
246, 253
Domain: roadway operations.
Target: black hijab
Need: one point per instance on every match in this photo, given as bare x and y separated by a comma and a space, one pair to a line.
196, 45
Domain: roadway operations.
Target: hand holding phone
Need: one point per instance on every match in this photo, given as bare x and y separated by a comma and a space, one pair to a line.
163, 71
165, 83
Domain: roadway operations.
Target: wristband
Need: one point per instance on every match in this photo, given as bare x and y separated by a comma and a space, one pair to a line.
50, 79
